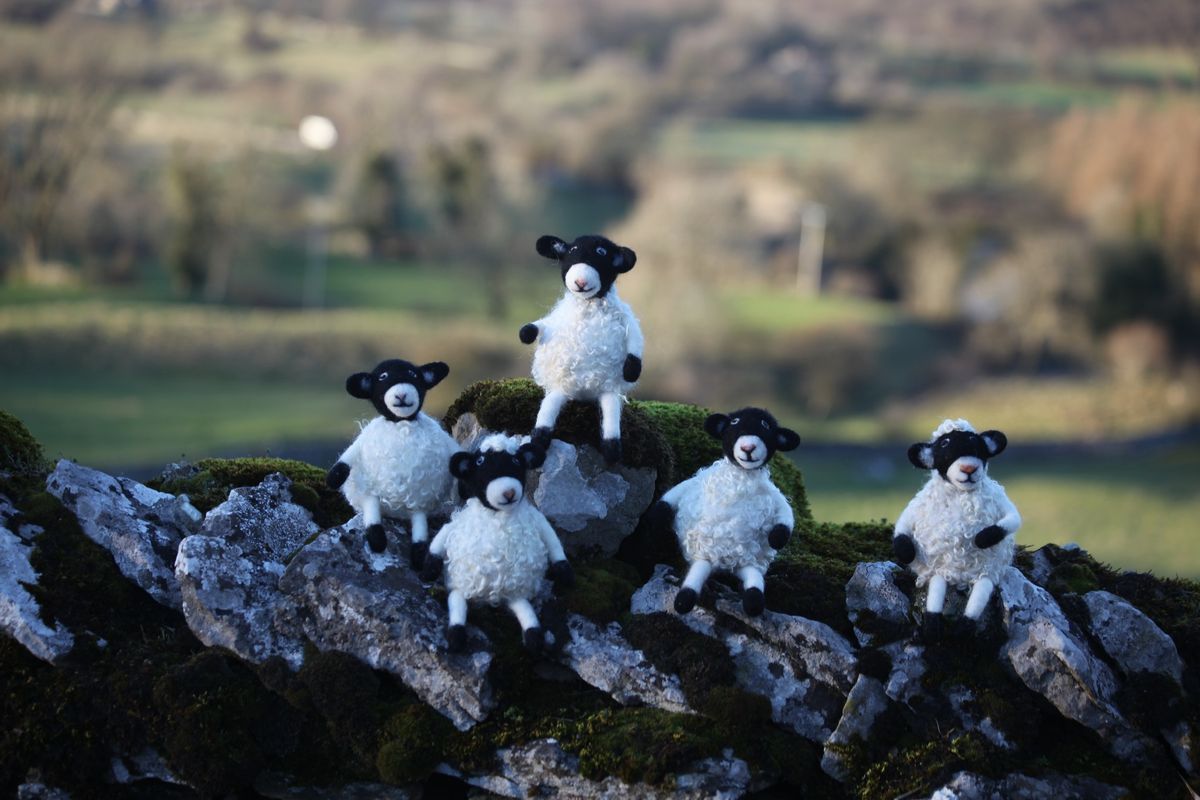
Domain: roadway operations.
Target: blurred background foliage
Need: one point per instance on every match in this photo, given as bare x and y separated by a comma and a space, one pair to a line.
1011, 225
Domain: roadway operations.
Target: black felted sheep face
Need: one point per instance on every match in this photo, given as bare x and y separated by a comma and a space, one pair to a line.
590, 264
958, 453
750, 436
495, 477
397, 388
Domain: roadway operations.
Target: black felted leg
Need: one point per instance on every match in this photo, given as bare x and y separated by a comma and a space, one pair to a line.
932, 627
611, 450
541, 437
417, 553
456, 638
685, 600
534, 639
753, 601
376, 538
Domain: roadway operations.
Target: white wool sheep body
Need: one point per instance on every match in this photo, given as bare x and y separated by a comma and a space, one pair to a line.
944, 521
495, 558
402, 465
725, 513
958, 529
583, 346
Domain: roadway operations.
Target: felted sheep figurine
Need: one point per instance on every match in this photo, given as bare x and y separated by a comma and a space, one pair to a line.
729, 515
396, 467
591, 343
497, 547
958, 528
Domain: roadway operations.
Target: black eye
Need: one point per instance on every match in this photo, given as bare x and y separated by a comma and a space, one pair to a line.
735, 420
479, 461
515, 461
601, 251
383, 376
765, 426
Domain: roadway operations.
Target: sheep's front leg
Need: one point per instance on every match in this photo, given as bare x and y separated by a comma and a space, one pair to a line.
935, 601
531, 629
981, 592
685, 598
610, 426
753, 601
420, 535
373, 519
552, 406
456, 633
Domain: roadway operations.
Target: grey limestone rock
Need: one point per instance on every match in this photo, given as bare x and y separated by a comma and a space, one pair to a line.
20, 614
1054, 661
602, 658
864, 705
969, 786
141, 527
542, 768
805, 668
1130, 638
374, 607
229, 573
877, 608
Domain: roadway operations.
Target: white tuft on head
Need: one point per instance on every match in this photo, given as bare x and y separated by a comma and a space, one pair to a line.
951, 425
499, 442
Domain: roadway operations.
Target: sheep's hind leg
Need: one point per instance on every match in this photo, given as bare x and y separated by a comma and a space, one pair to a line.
981, 592
685, 598
610, 426
935, 601
753, 601
531, 629
420, 540
552, 406
456, 633
373, 519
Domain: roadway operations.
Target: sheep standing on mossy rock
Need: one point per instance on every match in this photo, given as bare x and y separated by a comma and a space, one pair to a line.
591, 343
496, 548
730, 516
958, 529
397, 465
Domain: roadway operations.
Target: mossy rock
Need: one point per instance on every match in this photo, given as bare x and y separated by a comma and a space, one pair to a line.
210, 485
511, 406
19, 451
602, 589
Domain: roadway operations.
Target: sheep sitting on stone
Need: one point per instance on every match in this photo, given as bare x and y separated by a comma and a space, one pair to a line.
397, 465
730, 516
958, 529
497, 547
591, 343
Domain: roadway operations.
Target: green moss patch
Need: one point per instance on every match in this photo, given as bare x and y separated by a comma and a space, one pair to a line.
701, 662
19, 451
209, 487
602, 589
511, 406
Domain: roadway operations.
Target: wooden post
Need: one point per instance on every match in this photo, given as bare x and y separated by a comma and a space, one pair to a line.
812, 246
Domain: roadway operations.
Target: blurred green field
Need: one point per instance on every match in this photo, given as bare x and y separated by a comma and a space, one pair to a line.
1137, 511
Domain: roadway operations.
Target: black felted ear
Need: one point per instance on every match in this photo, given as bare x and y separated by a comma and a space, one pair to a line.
786, 439
359, 385
921, 455
551, 247
433, 373
715, 425
995, 441
531, 455
624, 260
460, 465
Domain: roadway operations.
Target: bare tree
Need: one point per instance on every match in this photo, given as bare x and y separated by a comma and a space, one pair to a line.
48, 125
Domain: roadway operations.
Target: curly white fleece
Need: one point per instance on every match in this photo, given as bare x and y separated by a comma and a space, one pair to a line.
495, 556
943, 521
723, 515
404, 464
583, 344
